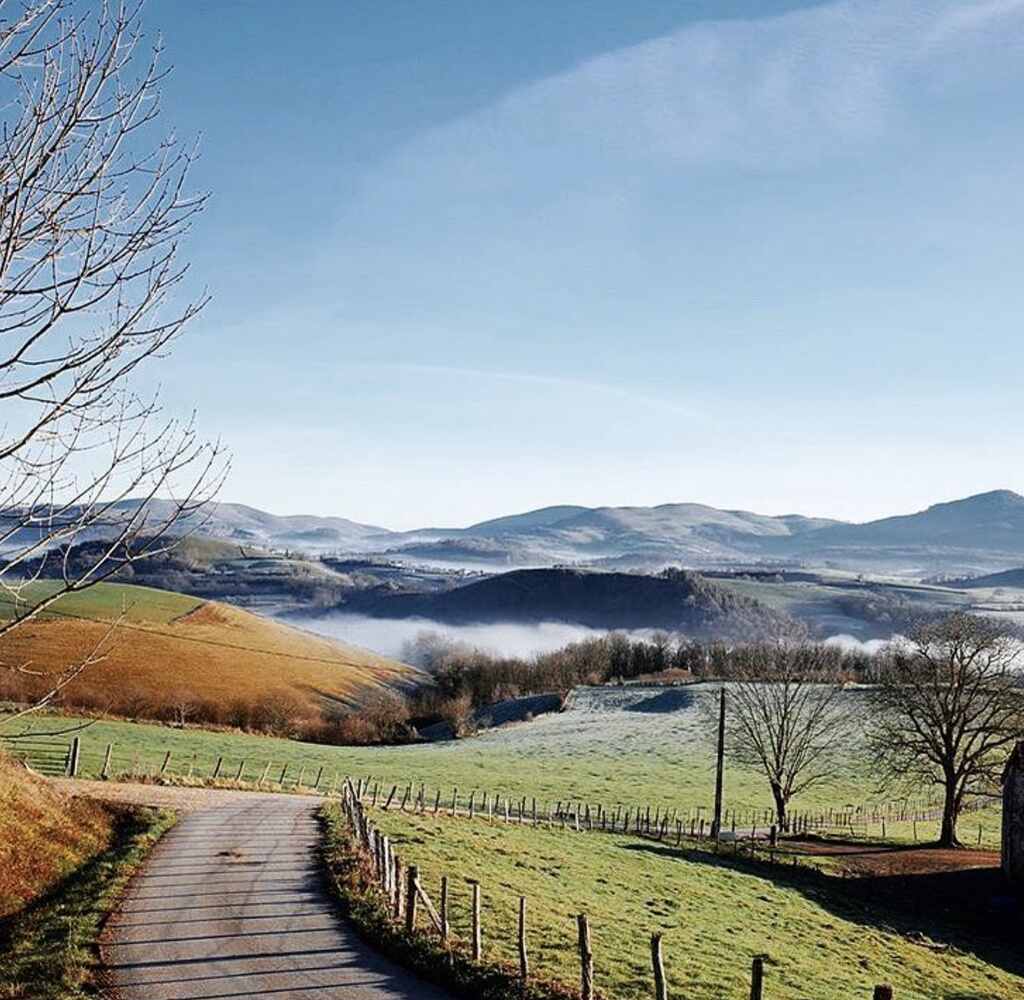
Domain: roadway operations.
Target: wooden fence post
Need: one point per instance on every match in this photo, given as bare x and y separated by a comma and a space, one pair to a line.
216, 769
73, 753
660, 990
166, 763
757, 979
241, 770
586, 959
412, 884
396, 879
444, 907
319, 775
524, 963
478, 950
882, 993
385, 865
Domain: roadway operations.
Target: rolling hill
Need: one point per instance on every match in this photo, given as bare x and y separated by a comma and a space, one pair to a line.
175, 657
976, 535
236, 523
677, 600
1011, 578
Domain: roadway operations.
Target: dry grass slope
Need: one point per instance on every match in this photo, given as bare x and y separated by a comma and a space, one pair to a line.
172, 652
44, 835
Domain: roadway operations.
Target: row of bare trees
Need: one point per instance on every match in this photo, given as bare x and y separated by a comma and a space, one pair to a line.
941, 708
94, 203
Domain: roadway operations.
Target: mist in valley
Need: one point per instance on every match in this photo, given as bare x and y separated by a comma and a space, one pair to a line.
394, 637
399, 638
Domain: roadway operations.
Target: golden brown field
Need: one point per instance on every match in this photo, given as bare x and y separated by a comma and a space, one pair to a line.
44, 835
179, 659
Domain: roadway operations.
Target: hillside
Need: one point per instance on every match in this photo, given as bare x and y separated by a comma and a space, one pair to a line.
45, 834
209, 568
1011, 578
968, 537
677, 600
986, 530
240, 524
178, 658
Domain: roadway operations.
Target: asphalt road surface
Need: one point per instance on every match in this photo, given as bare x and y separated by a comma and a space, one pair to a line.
231, 904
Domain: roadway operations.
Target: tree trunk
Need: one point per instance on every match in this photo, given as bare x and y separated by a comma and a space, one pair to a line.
950, 814
780, 806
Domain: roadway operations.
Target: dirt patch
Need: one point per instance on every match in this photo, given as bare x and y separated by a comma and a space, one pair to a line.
873, 860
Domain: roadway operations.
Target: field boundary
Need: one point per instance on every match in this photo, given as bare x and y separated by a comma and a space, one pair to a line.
874, 821
403, 910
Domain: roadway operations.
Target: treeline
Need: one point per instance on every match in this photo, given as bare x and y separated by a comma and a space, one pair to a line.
485, 679
468, 680
465, 682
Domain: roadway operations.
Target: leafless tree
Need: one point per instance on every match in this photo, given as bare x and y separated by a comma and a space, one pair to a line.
93, 205
788, 716
947, 709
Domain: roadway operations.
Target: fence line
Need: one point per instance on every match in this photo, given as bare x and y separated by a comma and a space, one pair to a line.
49, 756
857, 821
403, 897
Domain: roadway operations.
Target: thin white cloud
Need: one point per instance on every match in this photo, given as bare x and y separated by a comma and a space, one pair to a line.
575, 385
768, 93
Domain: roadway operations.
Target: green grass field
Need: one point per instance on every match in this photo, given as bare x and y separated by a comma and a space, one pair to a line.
715, 914
613, 758
104, 601
613, 749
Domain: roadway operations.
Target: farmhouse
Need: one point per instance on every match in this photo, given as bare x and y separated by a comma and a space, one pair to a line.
1013, 817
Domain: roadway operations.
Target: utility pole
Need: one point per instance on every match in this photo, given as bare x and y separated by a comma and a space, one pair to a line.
716, 825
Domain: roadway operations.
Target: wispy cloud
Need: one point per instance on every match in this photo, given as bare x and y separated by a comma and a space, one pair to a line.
540, 383
773, 92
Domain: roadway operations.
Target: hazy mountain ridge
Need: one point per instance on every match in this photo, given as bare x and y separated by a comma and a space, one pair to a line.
969, 537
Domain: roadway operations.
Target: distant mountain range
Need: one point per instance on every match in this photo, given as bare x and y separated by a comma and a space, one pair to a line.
977, 535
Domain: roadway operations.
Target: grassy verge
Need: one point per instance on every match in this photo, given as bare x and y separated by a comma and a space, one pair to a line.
824, 937
446, 964
48, 950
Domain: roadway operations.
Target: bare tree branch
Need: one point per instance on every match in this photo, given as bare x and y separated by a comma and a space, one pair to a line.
93, 207
948, 708
788, 716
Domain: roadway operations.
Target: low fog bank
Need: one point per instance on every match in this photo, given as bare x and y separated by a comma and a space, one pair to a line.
398, 638
851, 644
393, 637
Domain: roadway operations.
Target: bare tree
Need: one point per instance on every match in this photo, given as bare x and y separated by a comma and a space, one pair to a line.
788, 716
947, 709
93, 204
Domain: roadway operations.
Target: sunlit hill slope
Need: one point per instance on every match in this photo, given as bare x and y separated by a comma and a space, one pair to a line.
167, 655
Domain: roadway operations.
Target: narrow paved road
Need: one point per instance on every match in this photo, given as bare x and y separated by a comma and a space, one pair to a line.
231, 904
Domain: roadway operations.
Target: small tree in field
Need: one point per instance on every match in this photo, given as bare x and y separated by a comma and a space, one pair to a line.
948, 707
787, 717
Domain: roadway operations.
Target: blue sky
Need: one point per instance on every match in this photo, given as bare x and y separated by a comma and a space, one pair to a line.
475, 258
